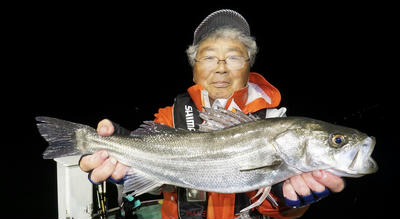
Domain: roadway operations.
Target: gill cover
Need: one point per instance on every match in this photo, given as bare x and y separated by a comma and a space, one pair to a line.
292, 149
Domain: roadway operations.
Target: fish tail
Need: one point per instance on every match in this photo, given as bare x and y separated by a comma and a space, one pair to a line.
60, 135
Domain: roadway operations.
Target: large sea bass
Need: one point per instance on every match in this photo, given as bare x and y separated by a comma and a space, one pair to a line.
233, 153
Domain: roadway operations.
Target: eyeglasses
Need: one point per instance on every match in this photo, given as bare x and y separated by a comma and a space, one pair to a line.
231, 62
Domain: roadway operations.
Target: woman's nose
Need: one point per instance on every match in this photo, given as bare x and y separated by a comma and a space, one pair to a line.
221, 67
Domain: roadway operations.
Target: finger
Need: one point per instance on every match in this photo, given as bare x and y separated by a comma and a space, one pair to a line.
288, 191
105, 128
333, 182
299, 185
290, 196
312, 183
104, 171
90, 162
120, 171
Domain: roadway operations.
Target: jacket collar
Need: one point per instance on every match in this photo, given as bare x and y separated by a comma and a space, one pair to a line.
257, 95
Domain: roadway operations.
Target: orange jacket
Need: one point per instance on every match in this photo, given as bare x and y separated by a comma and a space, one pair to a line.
259, 94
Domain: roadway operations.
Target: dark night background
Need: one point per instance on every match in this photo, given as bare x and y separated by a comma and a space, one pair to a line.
87, 62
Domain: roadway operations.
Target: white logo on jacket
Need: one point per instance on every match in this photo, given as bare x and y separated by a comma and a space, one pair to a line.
189, 118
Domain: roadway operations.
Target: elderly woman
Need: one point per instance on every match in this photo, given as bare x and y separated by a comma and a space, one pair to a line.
221, 56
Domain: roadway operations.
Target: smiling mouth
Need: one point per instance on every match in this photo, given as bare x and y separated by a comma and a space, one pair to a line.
220, 84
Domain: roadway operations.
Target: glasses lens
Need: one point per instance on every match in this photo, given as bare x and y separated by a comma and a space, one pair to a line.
209, 62
234, 62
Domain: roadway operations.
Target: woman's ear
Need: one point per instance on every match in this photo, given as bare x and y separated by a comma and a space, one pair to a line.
194, 77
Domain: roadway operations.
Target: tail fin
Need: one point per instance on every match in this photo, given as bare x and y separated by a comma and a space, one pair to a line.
61, 136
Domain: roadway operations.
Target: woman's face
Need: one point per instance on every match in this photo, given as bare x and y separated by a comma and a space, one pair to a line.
221, 82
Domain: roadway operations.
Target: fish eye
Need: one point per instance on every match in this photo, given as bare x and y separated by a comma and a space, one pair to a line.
337, 140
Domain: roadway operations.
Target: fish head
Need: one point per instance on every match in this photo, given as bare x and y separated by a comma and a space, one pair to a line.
356, 161
320, 145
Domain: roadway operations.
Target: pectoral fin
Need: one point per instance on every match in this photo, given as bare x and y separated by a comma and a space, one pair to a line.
269, 166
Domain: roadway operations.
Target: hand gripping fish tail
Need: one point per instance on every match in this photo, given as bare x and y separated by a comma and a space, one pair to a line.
61, 136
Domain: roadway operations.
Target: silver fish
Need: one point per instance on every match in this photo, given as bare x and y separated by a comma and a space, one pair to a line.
233, 153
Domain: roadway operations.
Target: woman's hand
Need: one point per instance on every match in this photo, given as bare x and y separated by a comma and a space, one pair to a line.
100, 163
312, 182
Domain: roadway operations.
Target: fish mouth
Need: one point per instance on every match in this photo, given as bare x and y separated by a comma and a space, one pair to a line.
362, 162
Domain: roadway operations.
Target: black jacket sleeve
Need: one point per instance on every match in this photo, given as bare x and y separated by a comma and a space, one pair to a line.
119, 130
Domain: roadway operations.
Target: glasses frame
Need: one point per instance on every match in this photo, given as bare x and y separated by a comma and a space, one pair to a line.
224, 60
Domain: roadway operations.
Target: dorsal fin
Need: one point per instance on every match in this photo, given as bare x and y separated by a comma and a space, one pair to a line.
151, 127
216, 119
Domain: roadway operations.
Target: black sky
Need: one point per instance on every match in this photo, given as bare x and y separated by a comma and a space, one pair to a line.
88, 62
